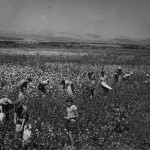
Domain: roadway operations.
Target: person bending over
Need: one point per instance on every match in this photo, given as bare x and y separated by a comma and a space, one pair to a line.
42, 86
5, 106
23, 87
21, 118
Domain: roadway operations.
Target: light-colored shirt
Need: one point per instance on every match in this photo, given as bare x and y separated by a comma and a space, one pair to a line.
71, 111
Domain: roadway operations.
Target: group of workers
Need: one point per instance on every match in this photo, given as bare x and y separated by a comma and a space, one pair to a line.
21, 115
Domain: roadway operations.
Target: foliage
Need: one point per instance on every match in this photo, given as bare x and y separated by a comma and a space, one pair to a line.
120, 119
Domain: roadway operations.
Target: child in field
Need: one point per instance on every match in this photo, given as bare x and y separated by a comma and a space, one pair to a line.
23, 87
71, 117
5, 106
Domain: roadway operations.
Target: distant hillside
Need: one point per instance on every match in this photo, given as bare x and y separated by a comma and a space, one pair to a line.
38, 37
137, 41
69, 37
9, 38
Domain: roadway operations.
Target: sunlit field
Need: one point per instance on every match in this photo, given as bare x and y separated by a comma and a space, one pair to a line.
118, 121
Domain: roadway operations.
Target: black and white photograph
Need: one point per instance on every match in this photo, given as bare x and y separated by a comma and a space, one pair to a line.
74, 74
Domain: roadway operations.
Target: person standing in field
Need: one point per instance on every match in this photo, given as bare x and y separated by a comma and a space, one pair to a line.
21, 118
23, 87
106, 88
72, 115
68, 87
5, 106
118, 74
89, 86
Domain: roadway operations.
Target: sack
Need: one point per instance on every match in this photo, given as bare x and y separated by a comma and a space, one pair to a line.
106, 86
27, 133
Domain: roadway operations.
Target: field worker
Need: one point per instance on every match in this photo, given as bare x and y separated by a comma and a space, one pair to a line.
119, 71
68, 86
5, 106
72, 115
118, 74
21, 118
104, 85
23, 87
89, 86
42, 85
116, 77
127, 76
91, 76
148, 78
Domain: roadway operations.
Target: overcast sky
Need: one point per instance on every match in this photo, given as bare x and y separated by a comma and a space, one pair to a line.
103, 17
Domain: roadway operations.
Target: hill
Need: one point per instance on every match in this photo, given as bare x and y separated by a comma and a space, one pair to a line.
69, 37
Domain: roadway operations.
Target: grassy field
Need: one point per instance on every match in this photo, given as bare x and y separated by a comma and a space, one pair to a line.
118, 121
